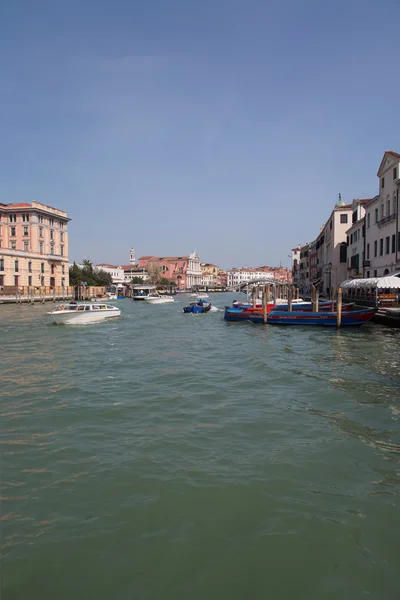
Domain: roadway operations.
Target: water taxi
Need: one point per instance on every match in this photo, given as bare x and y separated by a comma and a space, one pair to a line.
73, 313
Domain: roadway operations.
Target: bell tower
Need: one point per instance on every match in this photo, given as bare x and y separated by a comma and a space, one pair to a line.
132, 257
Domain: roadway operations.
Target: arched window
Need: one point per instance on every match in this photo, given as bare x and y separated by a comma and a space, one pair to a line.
386, 272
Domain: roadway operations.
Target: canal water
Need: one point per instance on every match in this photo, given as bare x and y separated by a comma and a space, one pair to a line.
172, 456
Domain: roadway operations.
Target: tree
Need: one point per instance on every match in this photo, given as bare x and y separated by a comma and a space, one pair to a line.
87, 274
136, 280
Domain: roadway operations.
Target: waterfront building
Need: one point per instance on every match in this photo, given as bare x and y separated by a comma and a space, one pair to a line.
185, 271
382, 220
209, 274
296, 264
33, 245
236, 277
334, 252
304, 269
116, 272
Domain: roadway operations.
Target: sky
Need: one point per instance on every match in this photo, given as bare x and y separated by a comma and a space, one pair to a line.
221, 126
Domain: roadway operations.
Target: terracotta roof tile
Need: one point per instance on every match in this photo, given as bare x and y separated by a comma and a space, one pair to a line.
17, 205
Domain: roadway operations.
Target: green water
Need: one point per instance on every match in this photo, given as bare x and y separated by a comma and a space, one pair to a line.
171, 456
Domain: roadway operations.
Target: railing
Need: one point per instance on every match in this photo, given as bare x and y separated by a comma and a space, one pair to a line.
12, 290
387, 219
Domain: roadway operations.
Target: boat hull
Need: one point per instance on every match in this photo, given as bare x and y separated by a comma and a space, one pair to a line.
159, 300
197, 308
323, 319
83, 318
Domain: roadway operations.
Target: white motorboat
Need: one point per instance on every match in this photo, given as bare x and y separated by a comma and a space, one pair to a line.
200, 296
112, 296
156, 298
73, 313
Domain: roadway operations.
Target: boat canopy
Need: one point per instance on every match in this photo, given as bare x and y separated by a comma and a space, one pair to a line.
144, 287
389, 282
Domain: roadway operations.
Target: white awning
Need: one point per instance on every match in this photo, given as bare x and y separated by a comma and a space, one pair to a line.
381, 283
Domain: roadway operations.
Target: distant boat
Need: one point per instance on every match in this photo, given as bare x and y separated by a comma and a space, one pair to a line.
200, 296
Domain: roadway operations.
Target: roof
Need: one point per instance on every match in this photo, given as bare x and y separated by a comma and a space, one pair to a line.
17, 205
163, 258
391, 153
388, 282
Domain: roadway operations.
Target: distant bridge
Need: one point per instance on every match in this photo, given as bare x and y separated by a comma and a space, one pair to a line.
239, 287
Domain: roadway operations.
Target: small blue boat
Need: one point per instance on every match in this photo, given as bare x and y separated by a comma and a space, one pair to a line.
198, 306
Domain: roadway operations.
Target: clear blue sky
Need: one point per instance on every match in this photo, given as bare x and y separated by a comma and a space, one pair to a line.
222, 125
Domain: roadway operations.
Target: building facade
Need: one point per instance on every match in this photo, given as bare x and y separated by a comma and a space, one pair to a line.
382, 220
296, 264
33, 246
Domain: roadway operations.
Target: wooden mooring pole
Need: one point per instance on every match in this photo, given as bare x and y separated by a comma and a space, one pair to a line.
253, 296
313, 295
265, 303
339, 307
316, 299
333, 299
290, 298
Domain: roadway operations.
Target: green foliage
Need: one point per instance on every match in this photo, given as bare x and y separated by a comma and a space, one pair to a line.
88, 274
137, 280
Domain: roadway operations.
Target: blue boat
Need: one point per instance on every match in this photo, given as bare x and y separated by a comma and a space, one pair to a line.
284, 317
198, 306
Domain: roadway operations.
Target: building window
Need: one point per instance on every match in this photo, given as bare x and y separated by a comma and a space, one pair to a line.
351, 239
12, 231
52, 269
16, 278
51, 222
343, 218
369, 220
375, 248
26, 231
382, 210
393, 243
375, 273
367, 274
41, 247
367, 251
398, 241
61, 236
343, 252
381, 247
51, 248
376, 215
42, 268
30, 280
63, 282
1, 264
330, 224
388, 208
29, 267
63, 269
387, 245
40, 219
383, 183
26, 246
13, 245
40, 231
1, 280
395, 173
25, 218
51, 234
16, 266
62, 250
13, 218
61, 225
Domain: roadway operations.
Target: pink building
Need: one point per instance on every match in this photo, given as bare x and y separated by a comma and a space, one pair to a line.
171, 267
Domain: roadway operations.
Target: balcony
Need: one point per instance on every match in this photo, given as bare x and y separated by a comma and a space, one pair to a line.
385, 220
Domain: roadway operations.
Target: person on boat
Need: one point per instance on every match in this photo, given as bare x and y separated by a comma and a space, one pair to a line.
73, 303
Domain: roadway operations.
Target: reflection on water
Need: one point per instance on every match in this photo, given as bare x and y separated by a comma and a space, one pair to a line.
182, 455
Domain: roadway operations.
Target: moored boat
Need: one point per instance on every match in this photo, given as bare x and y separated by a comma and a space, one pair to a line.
73, 313
298, 306
284, 317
